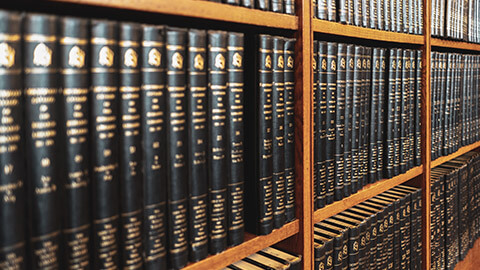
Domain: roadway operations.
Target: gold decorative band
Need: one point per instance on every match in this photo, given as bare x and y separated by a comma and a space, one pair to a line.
39, 38
149, 43
103, 41
9, 37
128, 43
217, 49
73, 41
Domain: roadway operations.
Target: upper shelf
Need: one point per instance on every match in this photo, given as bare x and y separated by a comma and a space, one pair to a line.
364, 194
453, 155
334, 28
437, 42
199, 9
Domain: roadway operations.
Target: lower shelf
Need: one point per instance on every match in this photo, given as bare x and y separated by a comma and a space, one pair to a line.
365, 193
252, 244
453, 155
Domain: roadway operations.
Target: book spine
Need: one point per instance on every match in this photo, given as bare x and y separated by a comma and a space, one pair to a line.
357, 89
289, 78
322, 106
418, 108
397, 121
217, 78
73, 47
154, 144
381, 14
262, 4
401, 15
104, 111
277, 6
381, 118
12, 158
340, 120
176, 133
343, 11
403, 112
278, 122
357, 13
197, 144
41, 121
131, 173
290, 7
411, 111
365, 13
373, 118
235, 156
366, 89
330, 119
393, 15
316, 129
390, 116
331, 10
232, 2
248, 3
347, 182
373, 15
322, 11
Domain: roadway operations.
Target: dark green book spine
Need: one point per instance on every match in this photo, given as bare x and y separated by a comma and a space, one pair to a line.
340, 120
405, 90
322, 107
131, 171
289, 129
373, 118
357, 90
235, 154
197, 144
73, 48
381, 118
217, 135
12, 155
154, 144
390, 116
350, 63
42, 113
330, 119
176, 133
278, 122
364, 123
397, 117
104, 143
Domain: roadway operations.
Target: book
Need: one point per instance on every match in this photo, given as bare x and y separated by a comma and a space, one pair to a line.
341, 78
331, 97
321, 126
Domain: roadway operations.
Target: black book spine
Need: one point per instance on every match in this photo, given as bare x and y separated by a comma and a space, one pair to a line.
217, 131
104, 143
176, 133
387, 19
342, 11
331, 10
131, 173
278, 122
347, 182
73, 47
365, 13
405, 86
411, 111
259, 209
330, 119
380, 14
373, 118
247, 3
232, 2
418, 107
277, 6
290, 7
434, 105
235, 156
41, 122
322, 107
340, 120
373, 16
289, 78
321, 12
12, 156
357, 13
365, 108
357, 89
398, 120
154, 144
390, 116
262, 4
319, 255
381, 118
316, 129
197, 144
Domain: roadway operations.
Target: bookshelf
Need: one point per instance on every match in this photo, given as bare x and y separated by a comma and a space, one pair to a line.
297, 235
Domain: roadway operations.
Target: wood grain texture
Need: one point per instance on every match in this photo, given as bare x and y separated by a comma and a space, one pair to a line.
453, 155
252, 244
334, 28
472, 261
199, 9
364, 194
437, 42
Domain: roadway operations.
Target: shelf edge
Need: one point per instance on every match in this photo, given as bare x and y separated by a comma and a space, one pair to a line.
455, 44
455, 154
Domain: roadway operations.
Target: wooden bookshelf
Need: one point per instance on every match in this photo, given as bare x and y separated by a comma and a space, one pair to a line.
453, 44
252, 244
472, 260
338, 29
455, 154
297, 235
365, 193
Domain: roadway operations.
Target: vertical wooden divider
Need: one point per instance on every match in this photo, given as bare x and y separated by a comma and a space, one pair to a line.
303, 131
426, 134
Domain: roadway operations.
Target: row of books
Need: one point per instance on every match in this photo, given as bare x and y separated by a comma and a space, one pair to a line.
455, 79
124, 144
269, 258
383, 232
366, 116
455, 210
279, 6
456, 19
402, 16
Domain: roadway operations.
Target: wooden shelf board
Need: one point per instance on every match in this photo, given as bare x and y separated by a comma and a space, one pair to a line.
334, 28
437, 42
199, 9
365, 193
472, 260
458, 153
252, 244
